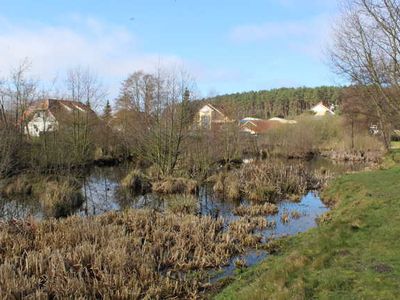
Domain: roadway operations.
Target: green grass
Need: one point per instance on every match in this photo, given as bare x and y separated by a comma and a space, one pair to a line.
355, 255
395, 145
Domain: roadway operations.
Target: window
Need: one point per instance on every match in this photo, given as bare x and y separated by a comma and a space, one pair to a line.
205, 121
40, 114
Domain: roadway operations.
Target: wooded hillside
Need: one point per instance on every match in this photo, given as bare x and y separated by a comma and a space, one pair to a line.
278, 102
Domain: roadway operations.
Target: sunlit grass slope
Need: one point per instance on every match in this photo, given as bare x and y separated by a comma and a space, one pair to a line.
353, 254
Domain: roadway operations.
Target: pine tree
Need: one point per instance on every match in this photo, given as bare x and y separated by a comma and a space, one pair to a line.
107, 113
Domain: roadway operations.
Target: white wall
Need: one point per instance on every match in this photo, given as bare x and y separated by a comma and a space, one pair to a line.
41, 122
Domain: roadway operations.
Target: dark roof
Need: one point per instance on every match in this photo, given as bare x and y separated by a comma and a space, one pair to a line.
57, 107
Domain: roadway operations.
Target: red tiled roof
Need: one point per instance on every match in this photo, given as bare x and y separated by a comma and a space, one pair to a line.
260, 126
56, 106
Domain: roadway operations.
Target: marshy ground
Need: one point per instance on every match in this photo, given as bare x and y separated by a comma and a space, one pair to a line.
353, 254
148, 246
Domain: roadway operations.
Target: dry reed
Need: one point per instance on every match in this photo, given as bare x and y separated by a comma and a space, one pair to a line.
171, 185
134, 254
256, 210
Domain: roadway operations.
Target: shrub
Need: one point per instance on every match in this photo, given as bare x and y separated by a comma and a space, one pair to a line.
137, 182
227, 185
60, 198
182, 204
267, 181
173, 185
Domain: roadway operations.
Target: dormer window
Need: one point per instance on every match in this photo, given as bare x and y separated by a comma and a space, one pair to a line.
40, 114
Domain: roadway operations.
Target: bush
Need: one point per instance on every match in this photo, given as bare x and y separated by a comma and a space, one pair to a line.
227, 185
60, 199
137, 182
173, 185
328, 135
182, 204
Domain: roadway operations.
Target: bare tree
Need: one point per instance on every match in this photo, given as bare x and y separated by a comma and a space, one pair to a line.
160, 104
366, 50
18, 92
137, 92
85, 86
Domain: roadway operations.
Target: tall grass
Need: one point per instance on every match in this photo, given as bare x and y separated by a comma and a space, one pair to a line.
268, 181
59, 196
171, 185
134, 254
182, 204
137, 182
329, 135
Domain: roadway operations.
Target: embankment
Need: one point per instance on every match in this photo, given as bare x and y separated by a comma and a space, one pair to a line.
353, 254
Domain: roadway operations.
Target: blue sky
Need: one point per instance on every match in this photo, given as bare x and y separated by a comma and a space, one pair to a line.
228, 46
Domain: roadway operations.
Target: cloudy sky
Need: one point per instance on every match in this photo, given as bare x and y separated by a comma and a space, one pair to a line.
227, 45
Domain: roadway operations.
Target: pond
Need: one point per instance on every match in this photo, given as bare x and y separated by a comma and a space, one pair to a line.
101, 192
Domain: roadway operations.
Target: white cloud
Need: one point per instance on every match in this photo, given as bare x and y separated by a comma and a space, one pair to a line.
111, 51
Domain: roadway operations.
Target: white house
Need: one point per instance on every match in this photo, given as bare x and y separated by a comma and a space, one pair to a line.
45, 115
41, 121
209, 116
321, 110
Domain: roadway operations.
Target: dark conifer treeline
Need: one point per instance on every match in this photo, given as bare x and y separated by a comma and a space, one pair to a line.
283, 102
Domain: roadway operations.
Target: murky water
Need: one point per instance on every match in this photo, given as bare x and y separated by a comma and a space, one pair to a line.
102, 194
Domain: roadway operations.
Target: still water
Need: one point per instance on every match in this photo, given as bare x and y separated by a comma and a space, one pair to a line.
102, 194
100, 188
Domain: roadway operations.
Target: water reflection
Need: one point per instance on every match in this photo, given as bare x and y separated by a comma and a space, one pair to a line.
100, 188
20, 208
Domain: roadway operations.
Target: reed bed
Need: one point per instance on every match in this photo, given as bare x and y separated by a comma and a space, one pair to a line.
244, 230
268, 181
131, 255
257, 210
137, 182
171, 185
227, 185
182, 204
60, 198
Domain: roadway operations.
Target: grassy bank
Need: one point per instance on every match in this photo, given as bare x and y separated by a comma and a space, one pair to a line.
353, 254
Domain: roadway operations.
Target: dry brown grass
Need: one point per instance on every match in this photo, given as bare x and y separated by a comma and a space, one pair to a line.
60, 198
270, 181
256, 210
171, 185
137, 182
131, 255
182, 204
227, 185
18, 185
295, 214
285, 218
244, 230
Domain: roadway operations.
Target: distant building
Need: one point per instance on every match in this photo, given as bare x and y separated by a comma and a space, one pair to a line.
46, 115
321, 110
257, 126
209, 117
283, 121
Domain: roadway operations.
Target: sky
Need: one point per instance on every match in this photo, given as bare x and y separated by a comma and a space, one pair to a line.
228, 46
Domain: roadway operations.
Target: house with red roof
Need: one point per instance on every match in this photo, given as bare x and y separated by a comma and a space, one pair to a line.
47, 115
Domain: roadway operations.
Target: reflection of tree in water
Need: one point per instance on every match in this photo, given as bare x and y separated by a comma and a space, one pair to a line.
103, 193
19, 208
